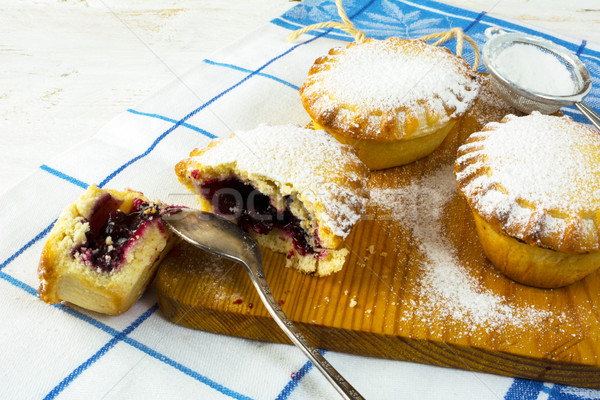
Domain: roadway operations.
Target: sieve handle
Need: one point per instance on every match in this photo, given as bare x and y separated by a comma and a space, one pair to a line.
590, 114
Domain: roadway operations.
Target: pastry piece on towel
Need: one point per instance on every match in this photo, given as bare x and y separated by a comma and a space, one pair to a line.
103, 251
297, 191
533, 184
394, 100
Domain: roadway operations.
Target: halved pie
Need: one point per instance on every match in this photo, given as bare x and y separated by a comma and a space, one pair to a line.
297, 191
103, 250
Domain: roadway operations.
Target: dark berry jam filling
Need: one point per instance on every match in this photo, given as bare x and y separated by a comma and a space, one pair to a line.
254, 211
112, 230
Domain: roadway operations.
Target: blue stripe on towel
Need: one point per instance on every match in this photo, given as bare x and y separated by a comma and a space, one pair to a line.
200, 108
317, 32
558, 392
86, 318
523, 389
512, 27
69, 310
185, 125
581, 47
189, 372
16, 282
295, 379
64, 176
140, 156
132, 342
576, 115
237, 68
27, 245
314, 12
145, 349
441, 8
475, 21
47, 229
103, 350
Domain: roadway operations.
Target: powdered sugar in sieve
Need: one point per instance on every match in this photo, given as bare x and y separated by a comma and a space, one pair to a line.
534, 74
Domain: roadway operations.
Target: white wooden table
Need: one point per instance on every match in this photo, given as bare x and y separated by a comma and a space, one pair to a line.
69, 66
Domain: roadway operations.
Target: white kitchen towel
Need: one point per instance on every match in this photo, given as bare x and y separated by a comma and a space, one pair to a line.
65, 352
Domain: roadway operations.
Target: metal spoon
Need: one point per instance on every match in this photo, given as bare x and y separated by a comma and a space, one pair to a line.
220, 236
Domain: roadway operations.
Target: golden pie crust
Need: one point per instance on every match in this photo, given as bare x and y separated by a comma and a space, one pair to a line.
394, 100
533, 184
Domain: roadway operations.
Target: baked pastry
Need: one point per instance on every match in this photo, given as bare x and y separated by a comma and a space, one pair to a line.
394, 100
103, 251
533, 184
296, 190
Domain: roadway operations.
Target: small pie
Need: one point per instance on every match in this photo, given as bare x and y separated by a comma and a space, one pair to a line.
295, 190
103, 251
394, 100
533, 184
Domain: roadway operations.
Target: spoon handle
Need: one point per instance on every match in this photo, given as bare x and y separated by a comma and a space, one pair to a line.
344, 388
590, 114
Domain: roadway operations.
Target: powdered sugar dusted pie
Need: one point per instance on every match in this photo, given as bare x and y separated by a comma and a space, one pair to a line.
296, 190
103, 250
394, 100
533, 184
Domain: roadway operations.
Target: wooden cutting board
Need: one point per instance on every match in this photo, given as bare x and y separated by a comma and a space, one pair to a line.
417, 286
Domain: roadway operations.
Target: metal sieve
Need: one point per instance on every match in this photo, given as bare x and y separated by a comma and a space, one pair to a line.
528, 100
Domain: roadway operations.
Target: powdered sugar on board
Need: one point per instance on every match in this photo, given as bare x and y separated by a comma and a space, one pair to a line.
217, 272
445, 288
489, 105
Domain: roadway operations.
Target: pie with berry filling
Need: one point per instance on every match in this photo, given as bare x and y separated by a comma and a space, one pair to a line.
394, 100
103, 250
533, 184
295, 190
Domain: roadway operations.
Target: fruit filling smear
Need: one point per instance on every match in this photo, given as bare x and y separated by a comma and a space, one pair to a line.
254, 212
112, 231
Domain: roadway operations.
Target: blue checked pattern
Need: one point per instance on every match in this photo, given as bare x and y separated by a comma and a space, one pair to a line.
162, 132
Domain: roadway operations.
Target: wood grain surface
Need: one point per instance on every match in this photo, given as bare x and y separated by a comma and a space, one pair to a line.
416, 287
